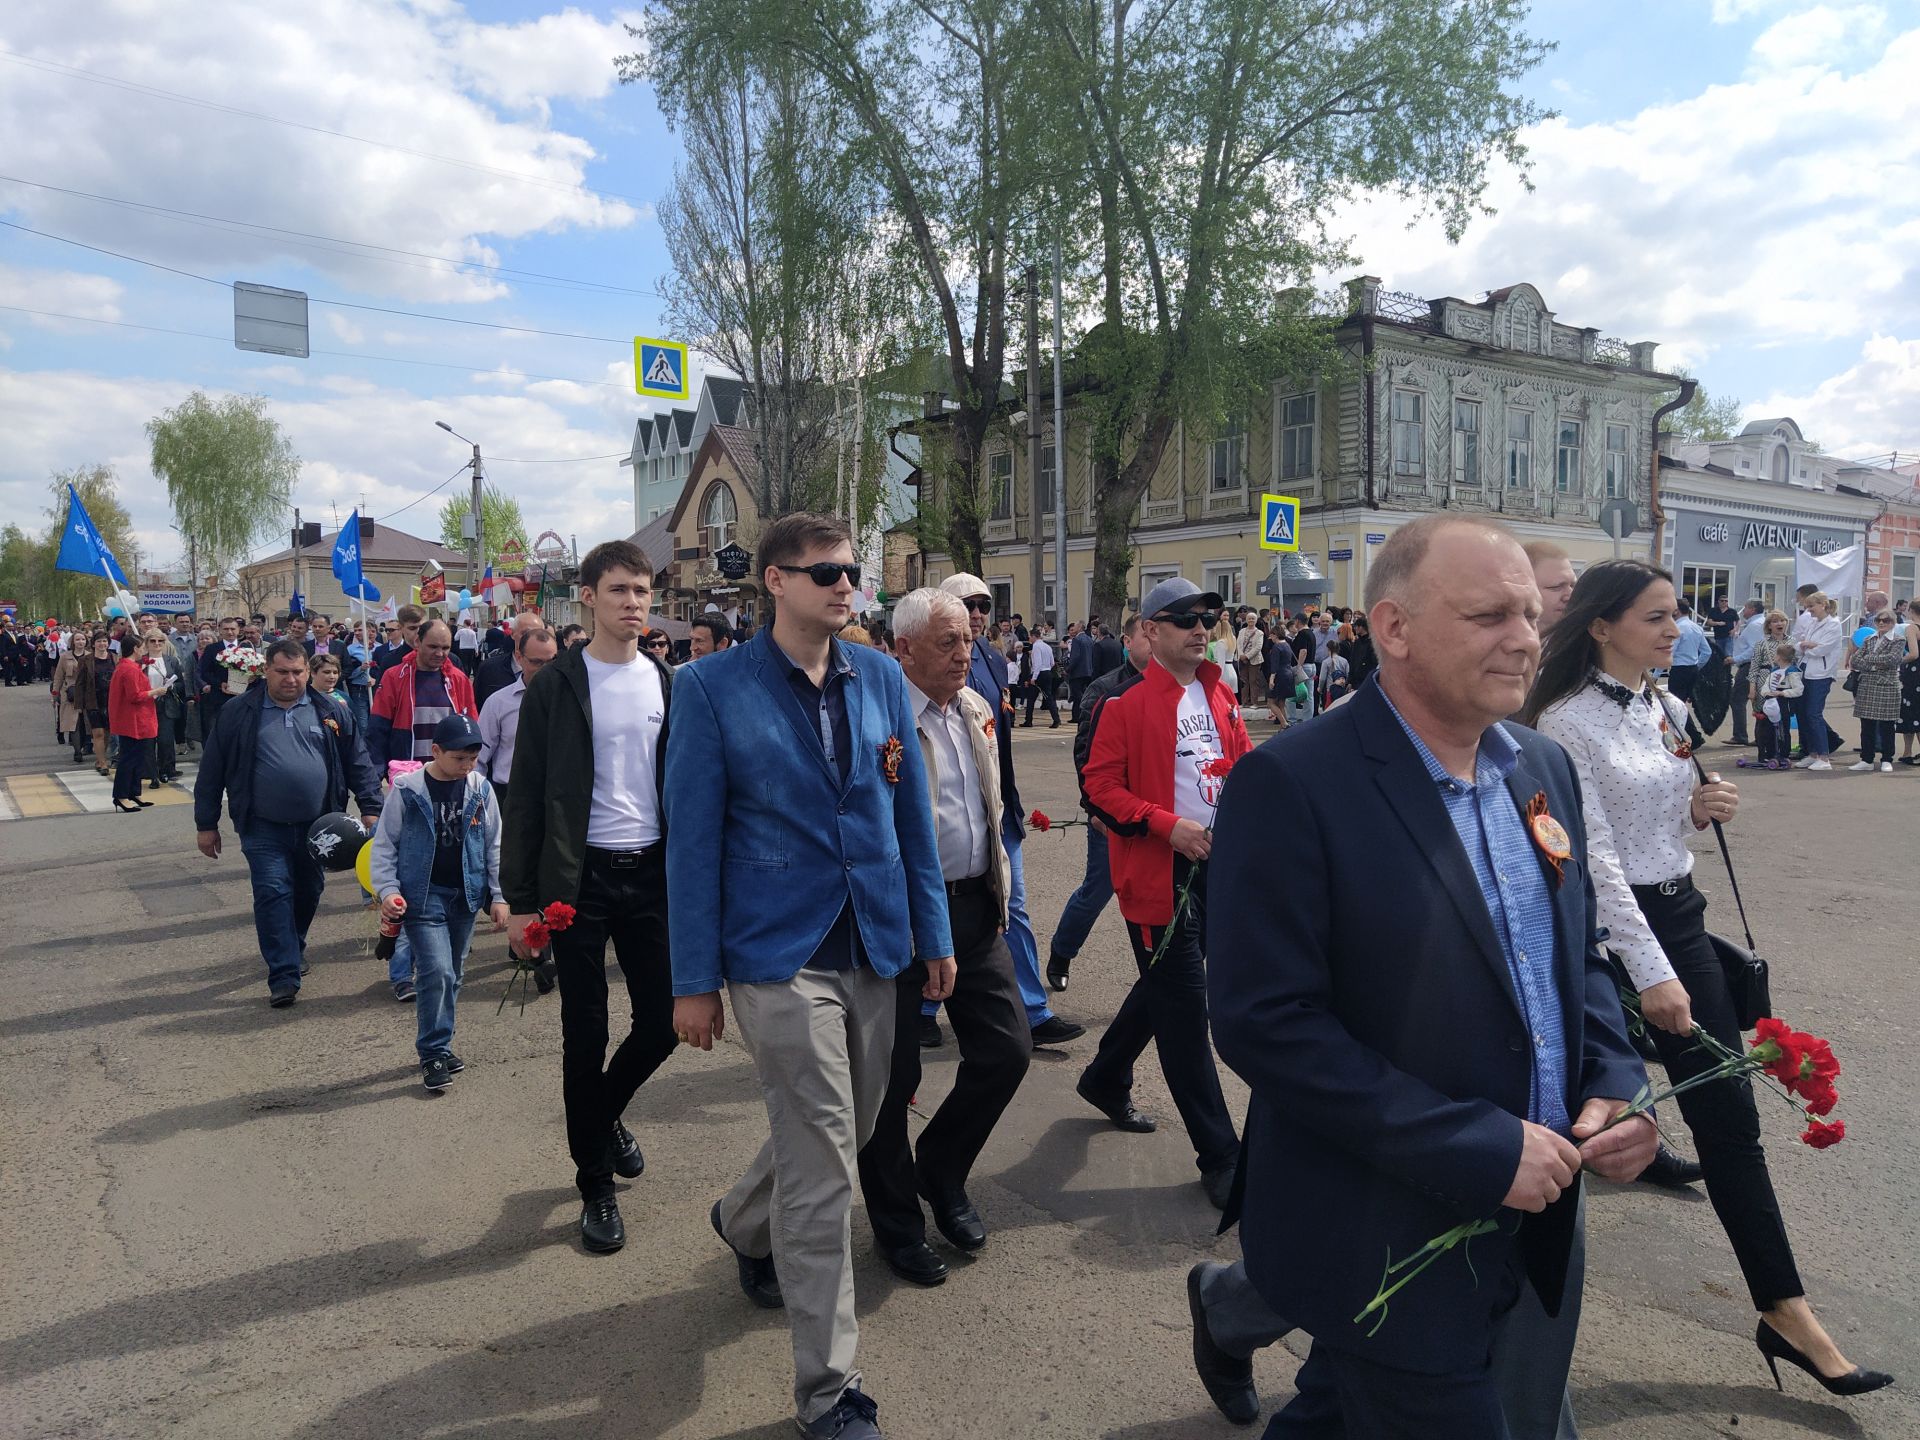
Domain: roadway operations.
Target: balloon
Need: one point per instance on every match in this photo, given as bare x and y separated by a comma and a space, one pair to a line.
363, 867
336, 840
466, 598
115, 610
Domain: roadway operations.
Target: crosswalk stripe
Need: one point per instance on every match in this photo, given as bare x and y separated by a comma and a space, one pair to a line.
79, 792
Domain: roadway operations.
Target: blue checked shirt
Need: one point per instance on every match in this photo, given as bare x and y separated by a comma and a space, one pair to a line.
1495, 837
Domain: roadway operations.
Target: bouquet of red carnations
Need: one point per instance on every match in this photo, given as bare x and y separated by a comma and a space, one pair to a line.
539, 934
1801, 1066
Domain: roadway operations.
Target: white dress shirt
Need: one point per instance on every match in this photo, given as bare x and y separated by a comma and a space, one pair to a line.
960, 814
1639, 801
499, 727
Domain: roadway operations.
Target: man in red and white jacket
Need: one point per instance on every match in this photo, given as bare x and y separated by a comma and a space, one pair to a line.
1162, 745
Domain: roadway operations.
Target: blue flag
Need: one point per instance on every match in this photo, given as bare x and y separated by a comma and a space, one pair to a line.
81, 548
297, 605
346, 556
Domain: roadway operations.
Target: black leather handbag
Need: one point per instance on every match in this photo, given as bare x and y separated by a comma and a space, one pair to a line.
1746, 971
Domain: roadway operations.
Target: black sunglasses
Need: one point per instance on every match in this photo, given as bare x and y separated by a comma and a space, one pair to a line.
1189, 619
659, 642
826, 572
978, 604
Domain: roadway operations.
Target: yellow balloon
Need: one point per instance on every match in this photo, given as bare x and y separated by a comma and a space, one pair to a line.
363, 867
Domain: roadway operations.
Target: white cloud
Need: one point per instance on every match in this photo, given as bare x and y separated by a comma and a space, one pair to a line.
1766, 213
1819, 36
424, 77
1869, 408
69, 292
359, 444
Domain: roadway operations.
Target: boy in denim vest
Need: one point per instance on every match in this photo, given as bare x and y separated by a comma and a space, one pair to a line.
436, 859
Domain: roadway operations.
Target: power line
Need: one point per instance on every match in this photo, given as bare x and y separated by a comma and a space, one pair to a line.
380, 519
324, 300
96, 77
329, 242
331, 354
569, 460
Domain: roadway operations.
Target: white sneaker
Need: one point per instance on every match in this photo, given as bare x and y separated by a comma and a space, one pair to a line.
1819, 765
1806, 764
1886, 767
1861, 765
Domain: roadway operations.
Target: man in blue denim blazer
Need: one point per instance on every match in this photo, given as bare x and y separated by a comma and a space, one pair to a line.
803, 873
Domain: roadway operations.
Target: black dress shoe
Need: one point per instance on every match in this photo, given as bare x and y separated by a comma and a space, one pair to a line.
628, 1162
1218, 1184
1229, 1381
600, 1227
758, 1281
916, 1263
284, 999
1120, 1111
1671, 1171
955, 1218
1057, 967
1055, 1031
545, 977
930, 1036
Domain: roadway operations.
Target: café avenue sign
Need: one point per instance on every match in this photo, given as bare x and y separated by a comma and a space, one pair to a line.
1755, 536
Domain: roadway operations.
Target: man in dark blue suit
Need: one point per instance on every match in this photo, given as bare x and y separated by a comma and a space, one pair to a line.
1449, 1056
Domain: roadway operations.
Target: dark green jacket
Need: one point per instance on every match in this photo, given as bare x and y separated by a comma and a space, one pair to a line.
544, 831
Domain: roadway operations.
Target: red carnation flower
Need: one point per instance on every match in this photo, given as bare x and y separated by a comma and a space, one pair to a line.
559, 915
1819, 1095
538, 935
1821, 1059
1820, 1135
1789, 1050
1217, 768
1039, 821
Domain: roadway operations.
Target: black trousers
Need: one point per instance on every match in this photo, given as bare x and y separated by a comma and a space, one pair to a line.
1344, 1395
1721, 1116
161, 758
1076, 687
1681, 679
1043, 689
133, 765
1742, 680
990, 1026
626, 904
1876, 739
1168, 1005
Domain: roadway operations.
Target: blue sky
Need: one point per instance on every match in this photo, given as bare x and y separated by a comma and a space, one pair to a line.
1735, 179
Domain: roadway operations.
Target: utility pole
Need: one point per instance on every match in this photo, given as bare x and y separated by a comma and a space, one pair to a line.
1059, 459
475, 546
299, 560
1036, 545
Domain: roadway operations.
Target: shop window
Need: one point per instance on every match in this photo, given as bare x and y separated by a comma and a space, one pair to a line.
1700, 583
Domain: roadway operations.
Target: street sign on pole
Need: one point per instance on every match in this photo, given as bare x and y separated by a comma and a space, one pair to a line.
1619, 518
1279, 522
660, 368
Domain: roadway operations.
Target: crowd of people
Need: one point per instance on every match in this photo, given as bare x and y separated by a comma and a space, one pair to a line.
583, 791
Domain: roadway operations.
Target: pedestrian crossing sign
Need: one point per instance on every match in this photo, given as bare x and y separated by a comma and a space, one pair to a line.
1279, 522
660, 368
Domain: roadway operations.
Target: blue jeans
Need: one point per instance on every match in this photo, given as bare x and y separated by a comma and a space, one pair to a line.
440, 929
1083, 907
1020, 941
1815, 735
361, 698
287, 883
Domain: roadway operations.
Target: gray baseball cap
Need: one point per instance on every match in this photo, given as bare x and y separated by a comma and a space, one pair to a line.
1175, 596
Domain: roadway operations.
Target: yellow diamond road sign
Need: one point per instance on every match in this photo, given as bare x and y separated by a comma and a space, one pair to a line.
660, 368
1279, 522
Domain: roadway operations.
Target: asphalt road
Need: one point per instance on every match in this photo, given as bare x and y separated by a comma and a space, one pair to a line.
221, 1220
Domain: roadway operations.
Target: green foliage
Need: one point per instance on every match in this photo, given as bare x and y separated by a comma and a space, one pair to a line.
229, 473
499, 522
1704, 417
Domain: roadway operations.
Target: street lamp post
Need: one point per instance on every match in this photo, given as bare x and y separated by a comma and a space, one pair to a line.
474, 546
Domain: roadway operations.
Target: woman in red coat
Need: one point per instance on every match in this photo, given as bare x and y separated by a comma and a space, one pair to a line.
132, 717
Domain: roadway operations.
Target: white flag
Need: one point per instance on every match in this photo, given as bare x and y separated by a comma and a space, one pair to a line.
1837, 573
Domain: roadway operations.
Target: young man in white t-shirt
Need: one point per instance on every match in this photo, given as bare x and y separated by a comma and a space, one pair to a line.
584, 826
1156, 763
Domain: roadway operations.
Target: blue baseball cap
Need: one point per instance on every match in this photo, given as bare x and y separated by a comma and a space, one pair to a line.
457, 732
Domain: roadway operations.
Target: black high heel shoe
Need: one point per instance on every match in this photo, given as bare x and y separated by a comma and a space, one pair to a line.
1775, 1347
127, 807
